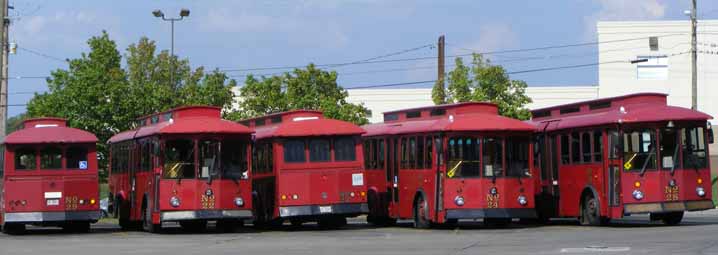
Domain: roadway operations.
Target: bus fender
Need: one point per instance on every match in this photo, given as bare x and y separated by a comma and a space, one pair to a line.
592, 190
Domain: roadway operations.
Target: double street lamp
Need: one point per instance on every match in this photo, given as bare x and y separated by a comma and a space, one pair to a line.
159, 14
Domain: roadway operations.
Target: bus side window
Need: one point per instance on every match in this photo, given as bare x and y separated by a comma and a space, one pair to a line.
597, 146
381, 154
2, 160
420, 153
586, 147
404, 154
564, 150
575, 148
428, 161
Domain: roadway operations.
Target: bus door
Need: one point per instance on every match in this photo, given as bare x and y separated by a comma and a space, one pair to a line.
392, 169
614, 164
132, 173
549, 166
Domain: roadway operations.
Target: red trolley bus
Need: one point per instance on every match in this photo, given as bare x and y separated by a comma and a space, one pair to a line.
633, 154
186, 165
444, 163
307, 168
50, 177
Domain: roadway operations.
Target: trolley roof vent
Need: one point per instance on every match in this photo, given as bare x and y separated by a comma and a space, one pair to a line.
44, 123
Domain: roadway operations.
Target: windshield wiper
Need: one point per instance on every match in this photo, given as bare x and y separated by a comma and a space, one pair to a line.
675, 157
648, 159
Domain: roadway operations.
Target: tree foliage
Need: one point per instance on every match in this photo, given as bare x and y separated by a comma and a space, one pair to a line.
438, 92
310, 88
97, 94
13, 123
485, 82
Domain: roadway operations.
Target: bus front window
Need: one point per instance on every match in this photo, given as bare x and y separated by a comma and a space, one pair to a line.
209, 159
694, 148
492, 157
179, 159
639, 150
669, 149
234, 159
517, 157
464, 158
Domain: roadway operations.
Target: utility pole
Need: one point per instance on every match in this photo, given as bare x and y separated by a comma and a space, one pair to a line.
694, 59
440, 65
3, 69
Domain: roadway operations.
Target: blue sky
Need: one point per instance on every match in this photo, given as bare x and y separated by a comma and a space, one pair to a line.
249, 34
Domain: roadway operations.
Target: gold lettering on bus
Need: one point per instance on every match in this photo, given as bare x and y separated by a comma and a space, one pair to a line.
71, 203
671, 193
492, 201
207, 202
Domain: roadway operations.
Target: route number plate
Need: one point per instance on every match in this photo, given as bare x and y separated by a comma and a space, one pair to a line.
53, 202
325, 209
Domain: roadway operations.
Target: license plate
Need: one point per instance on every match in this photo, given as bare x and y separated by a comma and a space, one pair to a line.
53, 202
325, 209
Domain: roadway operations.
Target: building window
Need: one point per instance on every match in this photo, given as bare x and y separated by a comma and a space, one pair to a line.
653, 43
655, 68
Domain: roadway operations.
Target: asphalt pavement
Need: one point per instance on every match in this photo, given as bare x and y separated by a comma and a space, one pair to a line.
698, 234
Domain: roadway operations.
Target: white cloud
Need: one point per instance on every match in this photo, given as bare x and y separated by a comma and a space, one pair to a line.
616, 10
633, 9
490, 37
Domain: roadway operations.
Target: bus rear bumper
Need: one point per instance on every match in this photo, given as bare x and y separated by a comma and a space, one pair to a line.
316, 210
521, 213
205, 215
39, 217
668, 207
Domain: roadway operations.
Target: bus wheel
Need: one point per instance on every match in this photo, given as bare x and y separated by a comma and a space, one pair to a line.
123, 216
13, 228
672, 218
194, 226
420, 213
147, 224
590, 211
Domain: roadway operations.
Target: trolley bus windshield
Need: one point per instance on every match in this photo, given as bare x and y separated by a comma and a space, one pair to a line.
217, 159
468, 157
694, 148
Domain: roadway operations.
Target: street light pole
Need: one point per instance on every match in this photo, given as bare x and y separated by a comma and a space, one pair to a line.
159, 14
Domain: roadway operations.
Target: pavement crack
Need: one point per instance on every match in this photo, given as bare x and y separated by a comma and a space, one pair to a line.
471, 245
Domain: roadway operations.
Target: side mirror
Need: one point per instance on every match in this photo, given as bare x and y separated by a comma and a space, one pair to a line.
709, 129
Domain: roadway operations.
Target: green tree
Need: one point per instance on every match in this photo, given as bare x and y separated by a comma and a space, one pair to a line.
97, 94
309, 88
91, 94
485, 82
459, 83
438, 92
13, 123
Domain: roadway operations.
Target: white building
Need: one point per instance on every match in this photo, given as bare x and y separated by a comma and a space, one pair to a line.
383, 100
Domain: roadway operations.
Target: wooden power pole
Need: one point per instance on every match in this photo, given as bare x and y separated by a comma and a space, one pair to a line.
3, 69
694, 58
441, 46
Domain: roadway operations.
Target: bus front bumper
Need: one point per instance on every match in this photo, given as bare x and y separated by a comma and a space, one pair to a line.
668, 207
521, 213
316, 210
205, 215
37, 217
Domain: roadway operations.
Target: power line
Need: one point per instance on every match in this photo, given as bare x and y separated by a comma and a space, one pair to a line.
391, 84
27, 77
11, 105
43, 55
449, 56
369, 60
25, 92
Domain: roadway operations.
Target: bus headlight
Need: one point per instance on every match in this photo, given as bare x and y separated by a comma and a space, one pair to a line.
522, 200
637, 194
238, 201
493, 191
458, 200
174, 201
700, 192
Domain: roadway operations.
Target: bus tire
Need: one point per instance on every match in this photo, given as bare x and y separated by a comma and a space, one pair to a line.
672, 218
590, 211
123, 215
421, 210
147, 224
13, 228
